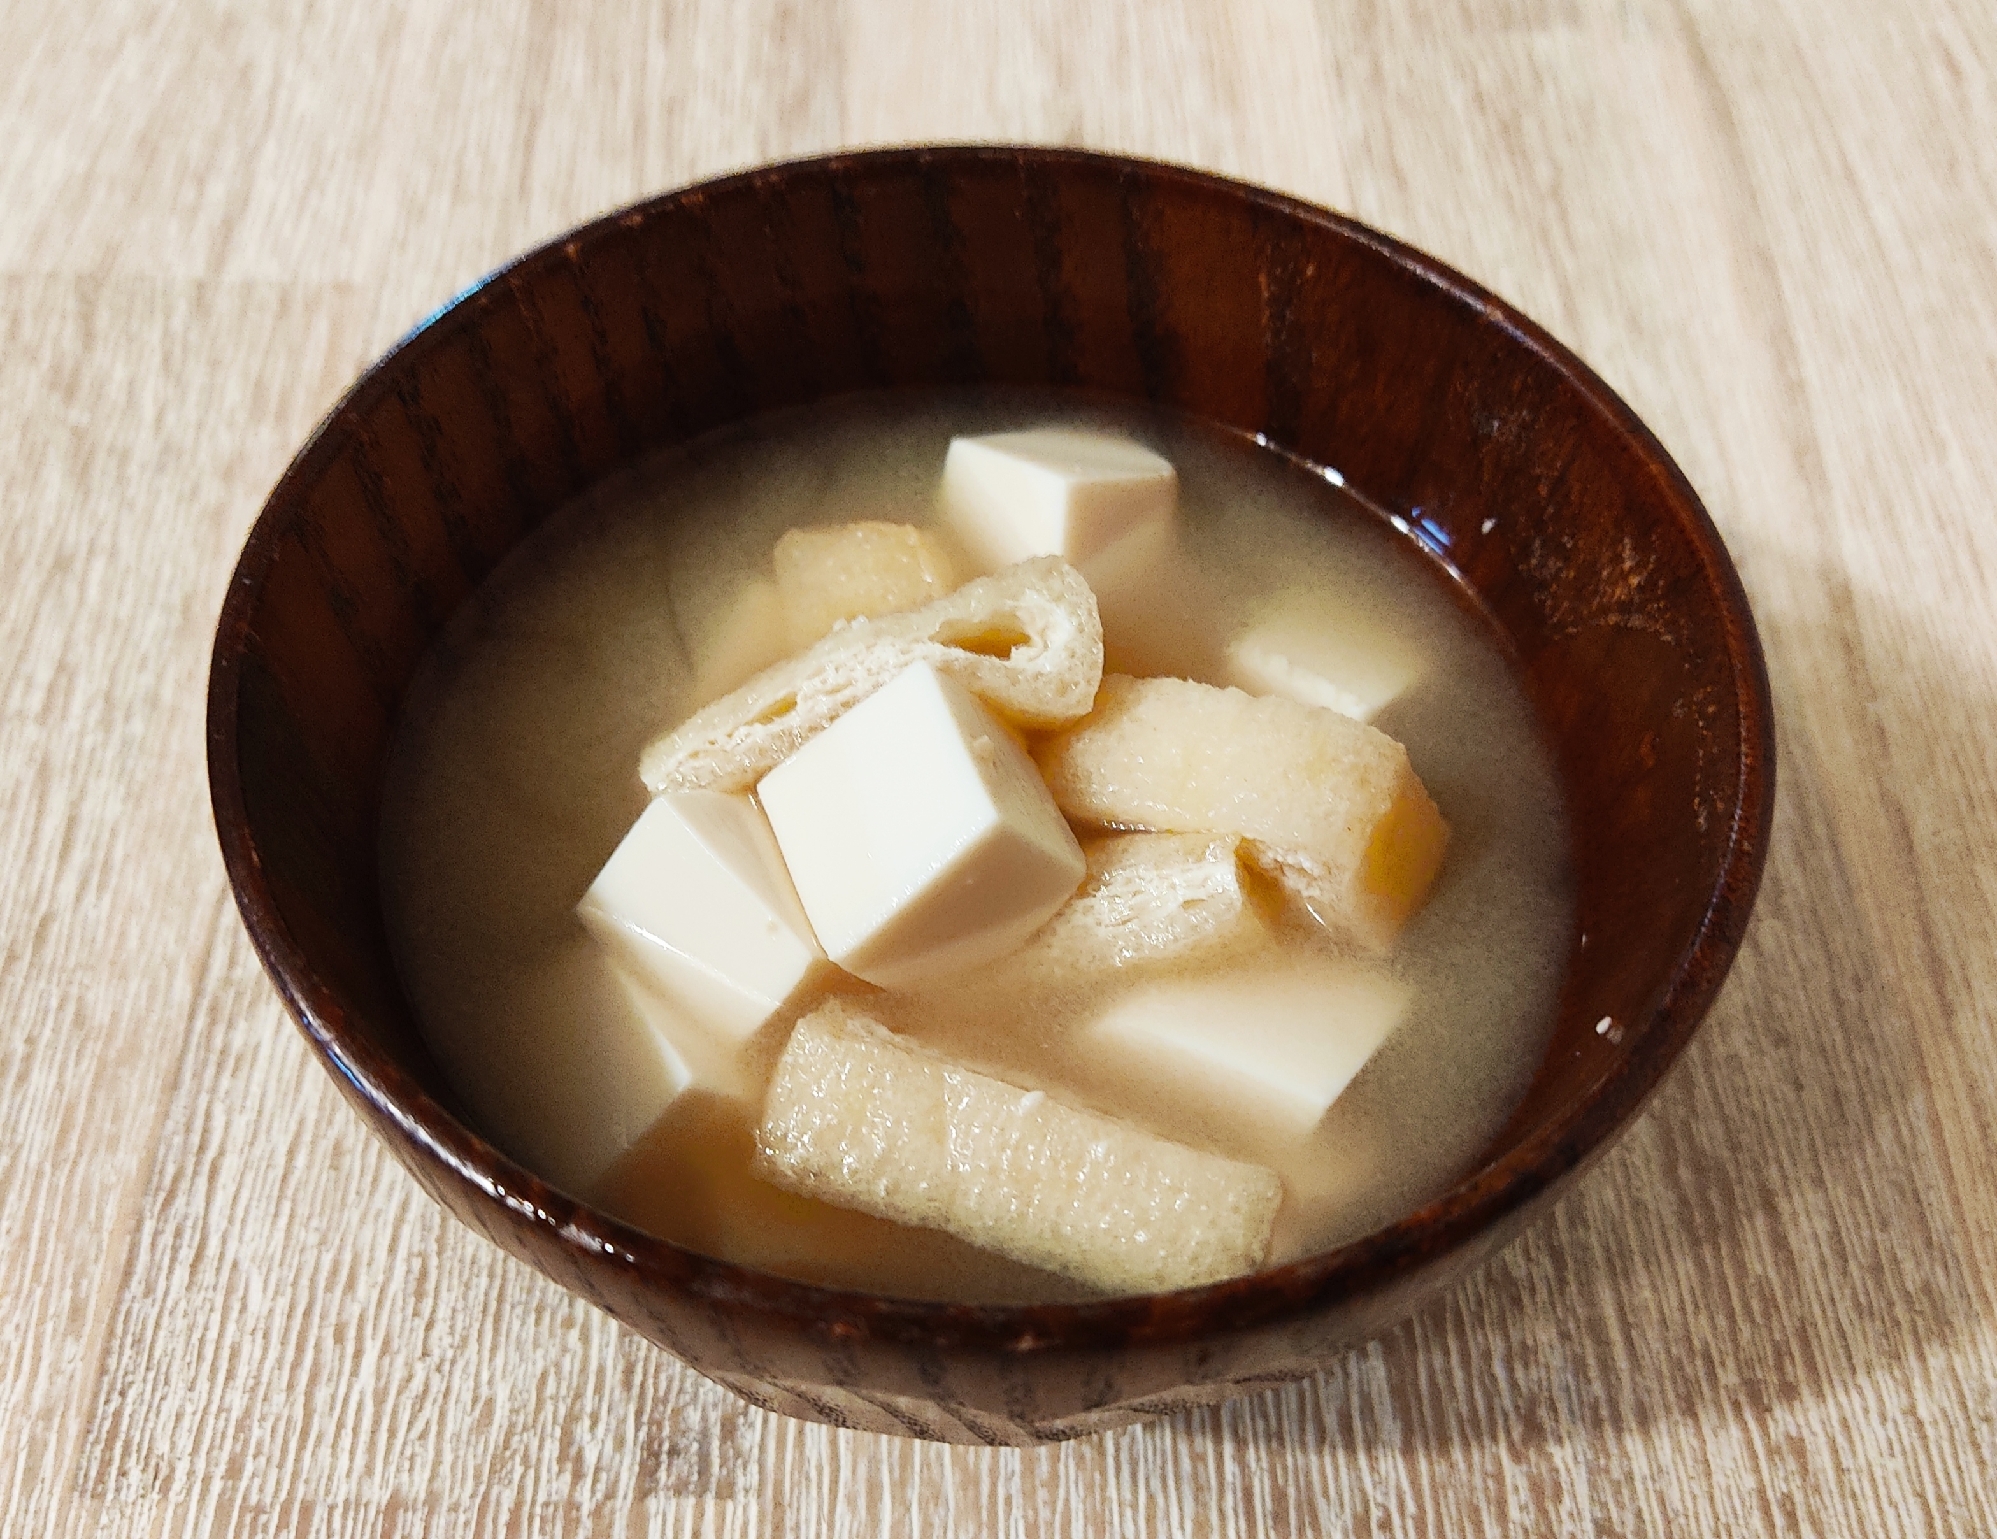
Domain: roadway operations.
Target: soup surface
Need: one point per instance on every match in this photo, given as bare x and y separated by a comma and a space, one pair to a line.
514, 777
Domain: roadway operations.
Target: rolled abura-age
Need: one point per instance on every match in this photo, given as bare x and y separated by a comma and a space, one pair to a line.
1329, 807
868, 1120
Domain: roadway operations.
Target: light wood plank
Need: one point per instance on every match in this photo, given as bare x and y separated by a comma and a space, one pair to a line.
119, 525
1772, 1310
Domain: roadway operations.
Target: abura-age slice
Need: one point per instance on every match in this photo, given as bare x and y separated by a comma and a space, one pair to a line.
864, 1118
1332, 808
1026, 641
1148, 899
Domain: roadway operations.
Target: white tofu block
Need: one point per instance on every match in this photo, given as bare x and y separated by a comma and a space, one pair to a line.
751, 634
1265, 1050
567, 1103
1052, 492
920, 836
680, 1049
1310, 651
1162, 615
1339, 1184
696, 903
653, 1032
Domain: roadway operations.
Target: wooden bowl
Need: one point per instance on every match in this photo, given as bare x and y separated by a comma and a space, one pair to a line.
1025, 267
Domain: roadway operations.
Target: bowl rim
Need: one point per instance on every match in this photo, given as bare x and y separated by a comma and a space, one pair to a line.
1475, 1205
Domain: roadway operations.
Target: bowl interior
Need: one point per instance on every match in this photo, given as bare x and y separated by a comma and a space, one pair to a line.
1038, 268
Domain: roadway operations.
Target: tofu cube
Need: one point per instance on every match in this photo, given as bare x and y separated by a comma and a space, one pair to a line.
1052, 492
1265, 1051
1330, 807
1163, 616
569, 1103
868, 1120
856, 571
654, 1030
751, 634
696, 903
919, 835
1343, 1182
1306, 650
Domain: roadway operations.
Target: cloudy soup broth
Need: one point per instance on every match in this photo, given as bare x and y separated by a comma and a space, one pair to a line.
514, 777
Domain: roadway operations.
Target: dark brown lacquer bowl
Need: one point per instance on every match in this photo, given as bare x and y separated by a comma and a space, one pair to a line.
1032, 267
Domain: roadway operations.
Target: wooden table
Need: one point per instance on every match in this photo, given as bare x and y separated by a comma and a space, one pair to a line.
1772, 226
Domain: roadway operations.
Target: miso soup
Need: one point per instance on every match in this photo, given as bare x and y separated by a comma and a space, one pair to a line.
514, 777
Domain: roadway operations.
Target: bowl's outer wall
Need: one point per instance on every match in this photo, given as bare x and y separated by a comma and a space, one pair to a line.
1507, 458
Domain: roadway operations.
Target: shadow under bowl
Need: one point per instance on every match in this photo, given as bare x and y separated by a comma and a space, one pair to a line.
1024, 267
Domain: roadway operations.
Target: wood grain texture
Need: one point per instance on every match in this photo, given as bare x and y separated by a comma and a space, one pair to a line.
1772, 227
